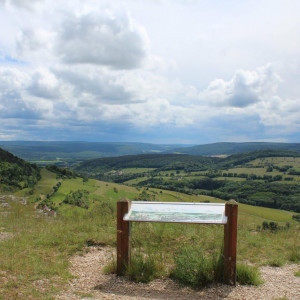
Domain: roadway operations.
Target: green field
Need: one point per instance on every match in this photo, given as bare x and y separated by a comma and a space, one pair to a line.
137, 170
278, 161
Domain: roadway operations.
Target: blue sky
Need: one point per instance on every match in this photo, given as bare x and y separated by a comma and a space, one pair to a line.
161, 71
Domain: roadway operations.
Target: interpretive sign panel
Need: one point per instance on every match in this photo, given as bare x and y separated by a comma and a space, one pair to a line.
176, 212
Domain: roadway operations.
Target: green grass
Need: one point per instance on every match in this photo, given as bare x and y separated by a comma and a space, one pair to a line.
143, 268
41, 246
43, 187
194, 268
277, 161
248, 275
137, 170
135, 181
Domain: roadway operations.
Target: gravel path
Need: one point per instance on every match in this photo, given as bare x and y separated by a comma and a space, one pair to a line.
91, 283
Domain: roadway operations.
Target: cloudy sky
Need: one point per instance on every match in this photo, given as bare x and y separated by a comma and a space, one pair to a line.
161, 71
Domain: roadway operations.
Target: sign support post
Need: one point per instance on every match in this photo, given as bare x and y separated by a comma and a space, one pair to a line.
123, 236
230, 242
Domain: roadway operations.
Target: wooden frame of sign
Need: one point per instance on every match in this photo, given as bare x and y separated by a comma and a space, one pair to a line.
178, 212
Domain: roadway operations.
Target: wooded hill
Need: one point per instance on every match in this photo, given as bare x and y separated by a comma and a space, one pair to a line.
69, 153
66, 153
161, 161
232, 148
174, 161
267, 178
16, 173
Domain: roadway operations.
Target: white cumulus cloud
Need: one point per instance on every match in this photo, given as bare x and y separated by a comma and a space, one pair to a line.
102, 39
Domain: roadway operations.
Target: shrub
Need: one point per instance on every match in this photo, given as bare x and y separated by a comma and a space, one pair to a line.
265, 225
78, 198
247, 275
296, 217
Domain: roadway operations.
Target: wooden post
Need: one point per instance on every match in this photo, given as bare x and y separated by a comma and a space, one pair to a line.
123, 236
230, 242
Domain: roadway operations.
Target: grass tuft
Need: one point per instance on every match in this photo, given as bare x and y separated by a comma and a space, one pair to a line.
276, 262
111, 266
142, 268
295, 254
248, 275
194, 269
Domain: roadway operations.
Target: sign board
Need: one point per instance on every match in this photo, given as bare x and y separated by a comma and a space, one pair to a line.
177, 212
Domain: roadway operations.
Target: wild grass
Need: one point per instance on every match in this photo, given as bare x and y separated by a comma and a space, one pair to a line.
142, 268
248, 275
294, 253
41, 246
192, 267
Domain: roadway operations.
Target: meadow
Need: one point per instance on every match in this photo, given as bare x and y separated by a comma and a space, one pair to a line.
34, 261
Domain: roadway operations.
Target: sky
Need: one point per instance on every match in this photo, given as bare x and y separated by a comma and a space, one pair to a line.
158, 71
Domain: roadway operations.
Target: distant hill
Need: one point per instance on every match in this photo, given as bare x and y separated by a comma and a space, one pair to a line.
232, 148
97, 167
240, 159
70, 153
15, 173
66, 152
165, 161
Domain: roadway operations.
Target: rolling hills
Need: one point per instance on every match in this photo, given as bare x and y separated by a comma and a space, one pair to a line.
77, 213
232, 148
268, 178
69, 153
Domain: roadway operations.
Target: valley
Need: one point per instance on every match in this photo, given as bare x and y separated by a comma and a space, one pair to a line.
69, 211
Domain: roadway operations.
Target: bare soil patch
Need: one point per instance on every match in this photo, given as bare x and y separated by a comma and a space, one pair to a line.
91, 283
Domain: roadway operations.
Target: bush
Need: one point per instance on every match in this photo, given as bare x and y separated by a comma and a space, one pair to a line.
78, 198
247, 275
142, 268
296, 217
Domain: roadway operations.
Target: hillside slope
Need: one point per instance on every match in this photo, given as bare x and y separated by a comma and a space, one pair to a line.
232, 148
16, 173
166, 161
52, 151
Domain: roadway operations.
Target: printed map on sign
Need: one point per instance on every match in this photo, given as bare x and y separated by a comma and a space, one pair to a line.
176, 212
